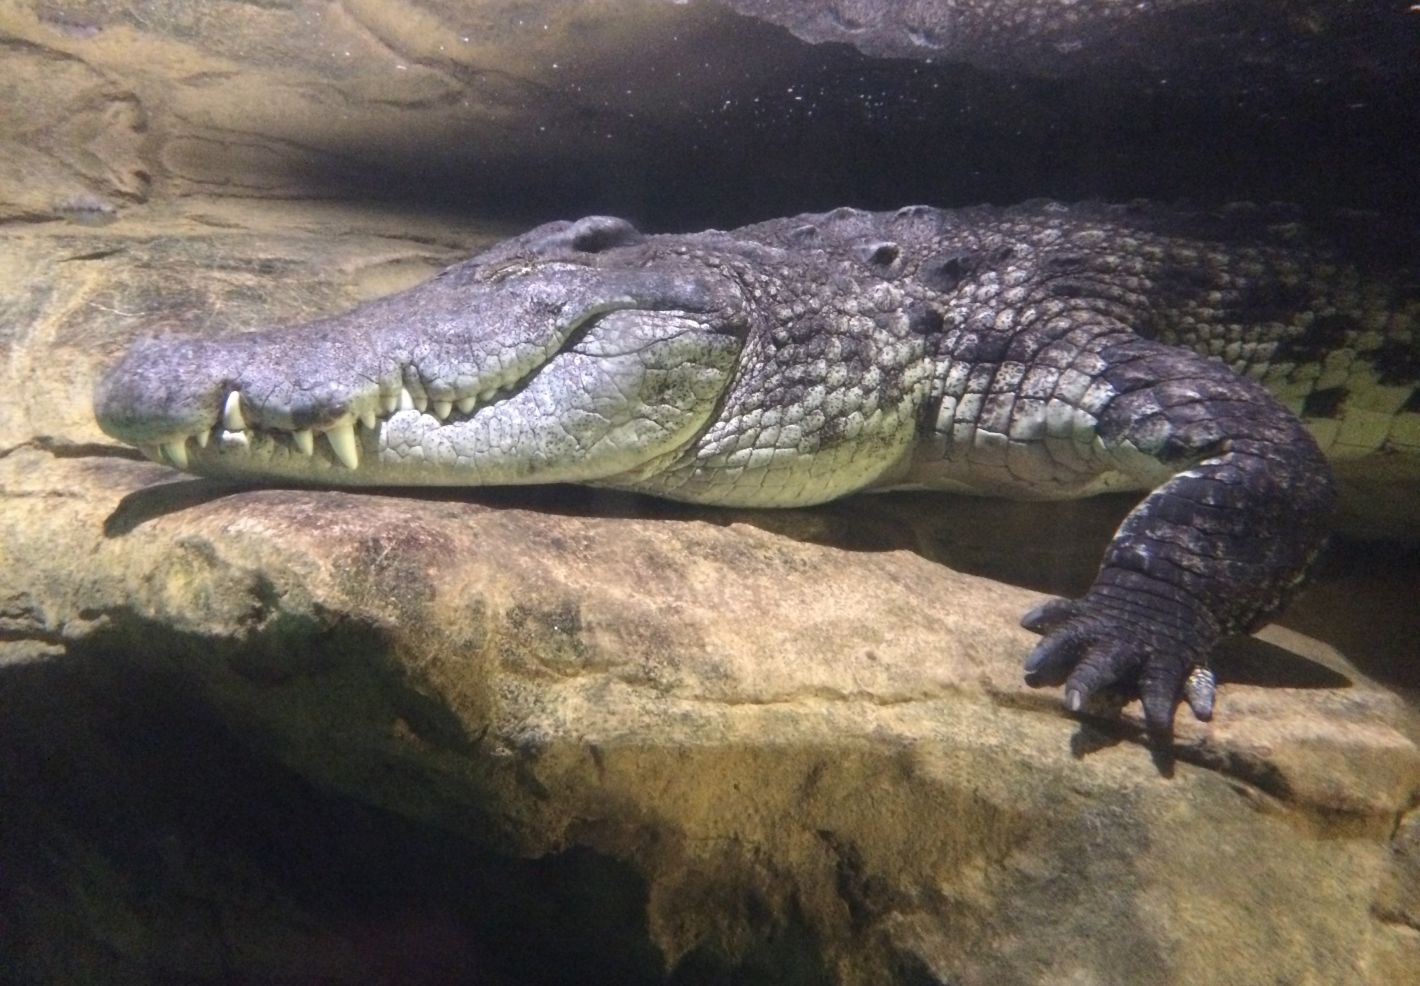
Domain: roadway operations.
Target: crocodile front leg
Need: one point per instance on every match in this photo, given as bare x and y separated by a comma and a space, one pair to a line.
1213, 551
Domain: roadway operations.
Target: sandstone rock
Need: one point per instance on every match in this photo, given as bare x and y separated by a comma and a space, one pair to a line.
781, 747
198, 101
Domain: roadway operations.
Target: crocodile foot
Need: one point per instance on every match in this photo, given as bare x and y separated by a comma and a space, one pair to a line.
1115, 643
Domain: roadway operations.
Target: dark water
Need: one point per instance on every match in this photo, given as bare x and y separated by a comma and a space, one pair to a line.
830, 126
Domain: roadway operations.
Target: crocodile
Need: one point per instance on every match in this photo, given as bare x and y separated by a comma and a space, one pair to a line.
1214, 359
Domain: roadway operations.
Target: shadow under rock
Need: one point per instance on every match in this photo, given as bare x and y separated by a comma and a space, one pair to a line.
128, 803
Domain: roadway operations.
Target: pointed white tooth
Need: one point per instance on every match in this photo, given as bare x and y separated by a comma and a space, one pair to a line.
368, 418
389, 403
442, 409
232, 419
342, 443
305, 441
467, 404
234, 440
406, 400
421, 402
202, 437
154, 452
176, 452
485, 396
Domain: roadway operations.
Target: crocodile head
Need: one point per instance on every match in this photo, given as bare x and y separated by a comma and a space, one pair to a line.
578, 352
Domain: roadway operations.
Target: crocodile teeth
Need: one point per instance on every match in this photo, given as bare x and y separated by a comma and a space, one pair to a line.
342, 443
467, 404
305, 441
487, 395
233, 440
421, 402
368, 418
441, 409
232, 419
405, 401
154, 452
389, 403
176, 452
202, 437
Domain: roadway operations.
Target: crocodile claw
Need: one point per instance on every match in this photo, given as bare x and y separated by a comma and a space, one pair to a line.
1092, 647
1047, 616
1199, 689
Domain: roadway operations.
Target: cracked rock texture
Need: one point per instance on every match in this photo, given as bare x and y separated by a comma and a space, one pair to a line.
551, 735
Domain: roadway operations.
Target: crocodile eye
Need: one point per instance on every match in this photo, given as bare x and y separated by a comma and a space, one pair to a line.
597, 233
592, 234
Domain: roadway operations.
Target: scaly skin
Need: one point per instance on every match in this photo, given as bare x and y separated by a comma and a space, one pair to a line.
1042, 351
